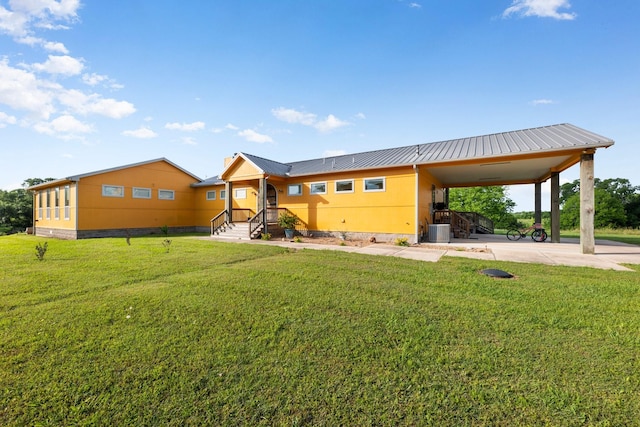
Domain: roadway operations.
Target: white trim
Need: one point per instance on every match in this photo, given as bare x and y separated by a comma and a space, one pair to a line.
214, 195
375, 190
105, 193
289, 193
240, 193
311, 184
335, 186
172, 192
133, 193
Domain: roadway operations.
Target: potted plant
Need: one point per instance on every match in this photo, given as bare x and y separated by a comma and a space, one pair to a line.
288, 222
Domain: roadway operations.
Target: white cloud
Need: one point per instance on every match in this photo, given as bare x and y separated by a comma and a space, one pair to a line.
65, 65
228, 126
292, 116
64, 126
142, 133
414, 5
6, 119
542, 101
253, 136
23, 15
21, 90
540, 8
361, 116
93, 103
187, 140
186, 127
47, 45
333, 153
308, 119
330, 123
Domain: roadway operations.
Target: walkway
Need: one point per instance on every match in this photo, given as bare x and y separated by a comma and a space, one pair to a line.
609, 254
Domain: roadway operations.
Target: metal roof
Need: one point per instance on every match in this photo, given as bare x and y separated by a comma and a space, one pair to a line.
75, 178
552, 138
214, 180
270, 167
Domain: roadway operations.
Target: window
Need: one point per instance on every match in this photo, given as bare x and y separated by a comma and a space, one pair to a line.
318, 188
141, 193
67, 201
294, 190
211, 195
240, 193
113, 191
374, 184
48, 205
56, 200
223, 194
344, 186
166, 194
40, 202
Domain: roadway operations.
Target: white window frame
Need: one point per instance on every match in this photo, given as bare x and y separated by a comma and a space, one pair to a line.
48, 203
136, 196
311, 190
240, 193
56, 203
106, 190
170, 194
223, 194
67, 202
344, 191
40, 200
374, 190
211, 195
298, 191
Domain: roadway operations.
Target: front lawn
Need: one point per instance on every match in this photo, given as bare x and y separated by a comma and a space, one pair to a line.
207, 333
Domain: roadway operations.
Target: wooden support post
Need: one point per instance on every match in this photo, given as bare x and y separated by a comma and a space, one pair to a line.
555, 207
228, 203
587, 204
262, 202
537, 215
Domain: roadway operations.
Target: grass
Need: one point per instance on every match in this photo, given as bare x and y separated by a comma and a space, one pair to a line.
103, 333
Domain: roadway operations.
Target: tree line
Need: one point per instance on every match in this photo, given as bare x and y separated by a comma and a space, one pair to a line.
617, 204
16, 207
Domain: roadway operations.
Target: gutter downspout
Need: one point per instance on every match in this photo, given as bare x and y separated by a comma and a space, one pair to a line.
417, 206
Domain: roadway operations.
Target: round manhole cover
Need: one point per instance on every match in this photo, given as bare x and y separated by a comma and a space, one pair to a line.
500, 274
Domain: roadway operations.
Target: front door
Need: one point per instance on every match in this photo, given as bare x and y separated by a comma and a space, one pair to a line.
272, 203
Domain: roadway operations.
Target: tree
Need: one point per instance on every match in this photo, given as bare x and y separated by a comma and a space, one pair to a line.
617, 203
16, 207
492, 202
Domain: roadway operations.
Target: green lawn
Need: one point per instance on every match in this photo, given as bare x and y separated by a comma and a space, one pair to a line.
207, 333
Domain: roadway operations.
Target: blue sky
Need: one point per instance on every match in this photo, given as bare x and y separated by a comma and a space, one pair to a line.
92, 85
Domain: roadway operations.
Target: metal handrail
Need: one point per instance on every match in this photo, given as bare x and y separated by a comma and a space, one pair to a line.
219, 221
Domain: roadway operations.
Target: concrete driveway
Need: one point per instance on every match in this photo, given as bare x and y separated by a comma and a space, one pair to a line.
609, 254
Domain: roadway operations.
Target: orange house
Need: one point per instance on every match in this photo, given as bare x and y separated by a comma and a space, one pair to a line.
134, 199
396, 192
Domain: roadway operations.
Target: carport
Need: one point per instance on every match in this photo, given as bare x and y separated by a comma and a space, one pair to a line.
530, 156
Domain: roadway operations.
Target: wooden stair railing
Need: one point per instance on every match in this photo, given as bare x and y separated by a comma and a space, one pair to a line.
256, 224
219, 222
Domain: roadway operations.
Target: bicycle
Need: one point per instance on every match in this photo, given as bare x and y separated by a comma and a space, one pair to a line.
537, 233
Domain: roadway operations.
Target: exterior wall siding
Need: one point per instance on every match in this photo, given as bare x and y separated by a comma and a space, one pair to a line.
391, 211
99, 212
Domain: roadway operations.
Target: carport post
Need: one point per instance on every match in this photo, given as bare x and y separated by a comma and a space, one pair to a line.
537, 215
555, 207
587, 205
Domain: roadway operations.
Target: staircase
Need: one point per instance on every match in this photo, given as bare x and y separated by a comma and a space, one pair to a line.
234, 231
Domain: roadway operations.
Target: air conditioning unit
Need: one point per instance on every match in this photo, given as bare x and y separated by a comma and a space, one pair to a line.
439, 233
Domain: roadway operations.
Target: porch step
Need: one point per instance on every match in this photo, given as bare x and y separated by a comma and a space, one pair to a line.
235, 231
